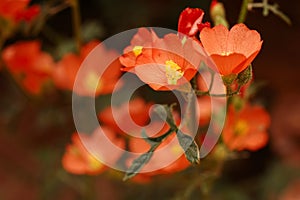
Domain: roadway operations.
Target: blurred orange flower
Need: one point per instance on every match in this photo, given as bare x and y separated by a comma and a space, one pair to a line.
86, 153
121, 121
246, 129
78, 160
190, 21
29, 64
89, 80
16, 10
232, 51
168, 64
140, 45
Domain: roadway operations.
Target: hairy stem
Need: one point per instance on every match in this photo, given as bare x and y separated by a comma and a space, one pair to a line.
243, 12
76, 22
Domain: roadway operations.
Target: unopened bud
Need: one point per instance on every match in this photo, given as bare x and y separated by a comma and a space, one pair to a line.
228, 79
245, 76
217, 13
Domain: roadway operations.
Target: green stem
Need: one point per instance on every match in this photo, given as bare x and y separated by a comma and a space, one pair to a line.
229, 94
211, 80
243, 12
273, 8
76, 23
161, 138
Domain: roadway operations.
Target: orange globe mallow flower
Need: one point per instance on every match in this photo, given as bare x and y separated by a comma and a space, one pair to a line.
246, 129
18, 10
80, 160
140, 45
31, 67
91, 83
231, 50
190, 21
163, 63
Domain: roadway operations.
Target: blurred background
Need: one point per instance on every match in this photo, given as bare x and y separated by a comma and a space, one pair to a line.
33, 133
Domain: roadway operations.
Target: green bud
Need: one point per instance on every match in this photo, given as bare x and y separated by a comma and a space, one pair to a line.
228, 79
217, 13
245, 76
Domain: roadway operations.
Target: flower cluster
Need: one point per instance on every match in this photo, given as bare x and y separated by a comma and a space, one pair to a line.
170, 63
201, 62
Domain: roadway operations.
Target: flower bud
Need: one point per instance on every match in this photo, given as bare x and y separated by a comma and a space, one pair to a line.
217, 13
245, 76
228, 79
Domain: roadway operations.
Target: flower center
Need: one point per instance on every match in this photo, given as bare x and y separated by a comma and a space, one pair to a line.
94, 164
241, 127
91, 82
137, 50
173, 72
224, 53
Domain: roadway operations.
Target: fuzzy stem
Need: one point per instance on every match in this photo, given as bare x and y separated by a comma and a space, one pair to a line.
243, 12
76, 23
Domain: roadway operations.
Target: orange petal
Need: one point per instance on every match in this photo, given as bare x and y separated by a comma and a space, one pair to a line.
245, 64
143, 36
214, 39
152, 74
168, 48
243, 40
226, 64
256, 140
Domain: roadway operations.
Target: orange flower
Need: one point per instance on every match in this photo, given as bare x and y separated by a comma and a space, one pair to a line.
29, 64
16, 10
247, 128
140, 45
138, 111
78, 160
29, 14
84, 154
190, 21
66, 71
232, 51
168, 64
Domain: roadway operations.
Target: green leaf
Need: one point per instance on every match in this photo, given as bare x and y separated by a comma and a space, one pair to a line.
137, 164
190, 147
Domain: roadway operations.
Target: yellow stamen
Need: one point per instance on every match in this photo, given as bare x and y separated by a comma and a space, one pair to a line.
137, 50
241, 127
94, 163
173, 72
226, 53
91, 82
